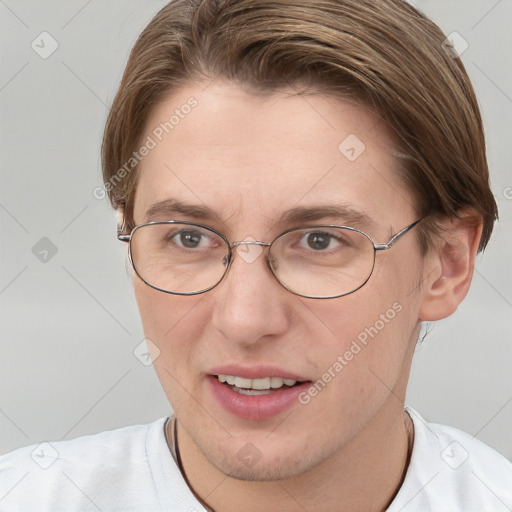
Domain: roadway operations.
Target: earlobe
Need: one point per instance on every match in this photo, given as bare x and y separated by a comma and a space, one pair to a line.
449, 267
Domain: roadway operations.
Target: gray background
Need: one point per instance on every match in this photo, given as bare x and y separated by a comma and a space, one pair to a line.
69, 323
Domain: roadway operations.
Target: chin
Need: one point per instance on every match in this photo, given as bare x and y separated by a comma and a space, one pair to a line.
270, 464
264, 471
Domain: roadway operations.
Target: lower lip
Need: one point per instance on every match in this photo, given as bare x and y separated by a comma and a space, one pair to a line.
255, 407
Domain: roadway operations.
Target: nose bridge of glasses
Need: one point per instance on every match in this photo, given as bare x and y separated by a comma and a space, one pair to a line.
250, 242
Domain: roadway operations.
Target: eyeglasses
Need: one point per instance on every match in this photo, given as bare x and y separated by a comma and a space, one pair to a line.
317, 262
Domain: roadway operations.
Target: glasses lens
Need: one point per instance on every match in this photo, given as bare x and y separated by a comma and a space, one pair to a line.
322, 261
179, 258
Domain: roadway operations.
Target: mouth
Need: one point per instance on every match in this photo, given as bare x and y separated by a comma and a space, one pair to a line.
258, 394
256, 387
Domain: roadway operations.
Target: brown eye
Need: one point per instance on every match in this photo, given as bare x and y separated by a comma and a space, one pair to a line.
318, 241
190, 239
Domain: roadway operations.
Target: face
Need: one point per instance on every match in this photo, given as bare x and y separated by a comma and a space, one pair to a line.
250, 160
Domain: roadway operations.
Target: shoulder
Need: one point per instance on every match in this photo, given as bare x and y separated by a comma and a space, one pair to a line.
453, 471
78, 472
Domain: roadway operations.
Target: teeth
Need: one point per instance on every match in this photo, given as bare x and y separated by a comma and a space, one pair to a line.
260, 383
252, 391
242, 383
276, 382
257, 384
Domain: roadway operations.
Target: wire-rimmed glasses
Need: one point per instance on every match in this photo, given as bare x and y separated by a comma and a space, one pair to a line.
317, 261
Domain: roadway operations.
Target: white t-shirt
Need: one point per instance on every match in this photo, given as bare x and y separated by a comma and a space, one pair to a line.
132, 469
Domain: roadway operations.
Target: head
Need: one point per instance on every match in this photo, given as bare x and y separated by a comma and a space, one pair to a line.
237, 114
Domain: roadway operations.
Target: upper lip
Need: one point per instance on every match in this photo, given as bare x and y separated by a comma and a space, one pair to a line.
255, 372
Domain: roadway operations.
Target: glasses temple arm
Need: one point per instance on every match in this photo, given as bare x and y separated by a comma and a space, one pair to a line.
123, 238
394, 238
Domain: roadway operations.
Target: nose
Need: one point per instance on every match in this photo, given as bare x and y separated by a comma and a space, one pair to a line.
250, 304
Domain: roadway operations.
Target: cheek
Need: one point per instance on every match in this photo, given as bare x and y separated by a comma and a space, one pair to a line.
171, 322
371, 333
369, 336
359, 364
161, 313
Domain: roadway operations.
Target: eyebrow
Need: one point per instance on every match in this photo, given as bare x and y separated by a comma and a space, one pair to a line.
347, 214
170, 207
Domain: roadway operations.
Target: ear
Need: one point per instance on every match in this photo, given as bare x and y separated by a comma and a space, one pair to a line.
448, 268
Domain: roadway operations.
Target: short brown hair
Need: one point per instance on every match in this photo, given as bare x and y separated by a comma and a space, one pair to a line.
384, 53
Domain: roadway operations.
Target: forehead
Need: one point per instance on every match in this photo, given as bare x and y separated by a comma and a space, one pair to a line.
252, 158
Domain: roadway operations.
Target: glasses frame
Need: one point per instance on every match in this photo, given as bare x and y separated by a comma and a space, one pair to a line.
127, 237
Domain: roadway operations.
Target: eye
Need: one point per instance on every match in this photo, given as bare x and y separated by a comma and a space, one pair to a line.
319, 241
191, 239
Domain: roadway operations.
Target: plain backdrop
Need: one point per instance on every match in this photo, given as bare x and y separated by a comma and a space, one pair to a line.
69, 322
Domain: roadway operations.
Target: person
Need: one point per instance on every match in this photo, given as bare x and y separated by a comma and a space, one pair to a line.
300, 187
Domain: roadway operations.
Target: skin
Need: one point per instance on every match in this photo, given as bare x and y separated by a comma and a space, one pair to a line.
354, 432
